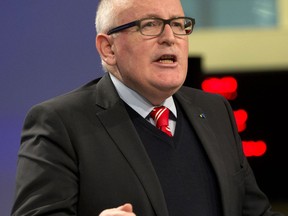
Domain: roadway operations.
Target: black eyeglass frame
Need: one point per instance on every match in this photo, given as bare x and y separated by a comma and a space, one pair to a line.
137, 23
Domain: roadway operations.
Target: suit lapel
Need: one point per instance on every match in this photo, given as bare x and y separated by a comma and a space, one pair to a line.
117, 122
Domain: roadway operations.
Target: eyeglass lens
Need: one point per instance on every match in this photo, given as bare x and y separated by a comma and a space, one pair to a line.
155, 26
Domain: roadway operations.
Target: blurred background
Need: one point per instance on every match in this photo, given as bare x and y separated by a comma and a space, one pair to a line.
238, 49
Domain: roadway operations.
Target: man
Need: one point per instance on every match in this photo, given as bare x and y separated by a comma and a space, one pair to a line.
94, 151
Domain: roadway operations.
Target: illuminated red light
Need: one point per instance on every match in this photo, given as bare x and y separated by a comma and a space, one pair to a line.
254, 148
241, 117
226, 86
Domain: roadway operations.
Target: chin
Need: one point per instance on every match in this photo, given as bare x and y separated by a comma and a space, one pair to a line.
170, 87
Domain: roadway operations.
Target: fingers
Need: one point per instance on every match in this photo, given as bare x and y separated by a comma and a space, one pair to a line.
123, 210
127, 207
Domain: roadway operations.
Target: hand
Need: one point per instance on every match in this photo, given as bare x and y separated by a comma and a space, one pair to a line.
123, 210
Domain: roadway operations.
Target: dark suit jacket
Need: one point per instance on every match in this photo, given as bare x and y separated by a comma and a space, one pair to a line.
81, 154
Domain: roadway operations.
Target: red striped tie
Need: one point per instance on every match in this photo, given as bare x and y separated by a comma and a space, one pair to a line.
161, 116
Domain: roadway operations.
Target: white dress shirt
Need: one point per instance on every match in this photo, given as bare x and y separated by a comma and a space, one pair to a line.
141, 105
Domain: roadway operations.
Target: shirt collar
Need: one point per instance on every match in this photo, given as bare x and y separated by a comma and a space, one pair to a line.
137, 102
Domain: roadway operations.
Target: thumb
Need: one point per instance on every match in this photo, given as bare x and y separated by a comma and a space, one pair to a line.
127, 207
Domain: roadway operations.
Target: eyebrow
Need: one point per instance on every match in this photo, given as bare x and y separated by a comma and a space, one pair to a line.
153, 15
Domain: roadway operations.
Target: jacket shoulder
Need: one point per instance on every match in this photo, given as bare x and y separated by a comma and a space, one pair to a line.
82, 95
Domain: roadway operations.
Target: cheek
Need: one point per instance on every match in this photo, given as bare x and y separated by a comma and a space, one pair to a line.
137, 60
130, 54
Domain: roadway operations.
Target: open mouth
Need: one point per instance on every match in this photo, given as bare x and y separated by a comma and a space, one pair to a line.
167, 59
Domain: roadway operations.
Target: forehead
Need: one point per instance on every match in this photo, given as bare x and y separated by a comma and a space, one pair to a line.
137, 9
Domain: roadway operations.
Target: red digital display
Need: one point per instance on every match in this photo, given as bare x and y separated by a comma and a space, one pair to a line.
227, 86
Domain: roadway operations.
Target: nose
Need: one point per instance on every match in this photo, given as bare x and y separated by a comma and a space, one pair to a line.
167, 27
167, 35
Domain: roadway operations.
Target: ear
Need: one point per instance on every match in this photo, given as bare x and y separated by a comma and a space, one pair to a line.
104, 45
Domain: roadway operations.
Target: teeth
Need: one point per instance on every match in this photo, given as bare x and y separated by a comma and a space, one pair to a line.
166, 61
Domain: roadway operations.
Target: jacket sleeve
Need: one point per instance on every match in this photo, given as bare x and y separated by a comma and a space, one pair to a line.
46, 179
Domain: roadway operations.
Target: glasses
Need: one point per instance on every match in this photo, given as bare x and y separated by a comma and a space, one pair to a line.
155, 26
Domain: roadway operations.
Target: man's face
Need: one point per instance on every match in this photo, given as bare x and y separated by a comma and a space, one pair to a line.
153, 66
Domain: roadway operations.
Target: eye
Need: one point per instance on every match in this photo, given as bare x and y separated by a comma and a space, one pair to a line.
177, 24
149, 23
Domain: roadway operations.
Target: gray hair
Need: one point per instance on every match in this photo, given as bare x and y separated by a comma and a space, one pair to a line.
107, 13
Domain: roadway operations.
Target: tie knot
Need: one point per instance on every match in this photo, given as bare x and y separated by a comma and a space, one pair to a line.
161, 116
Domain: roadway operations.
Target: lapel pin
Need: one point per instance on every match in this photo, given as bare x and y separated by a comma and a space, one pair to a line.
202, 115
